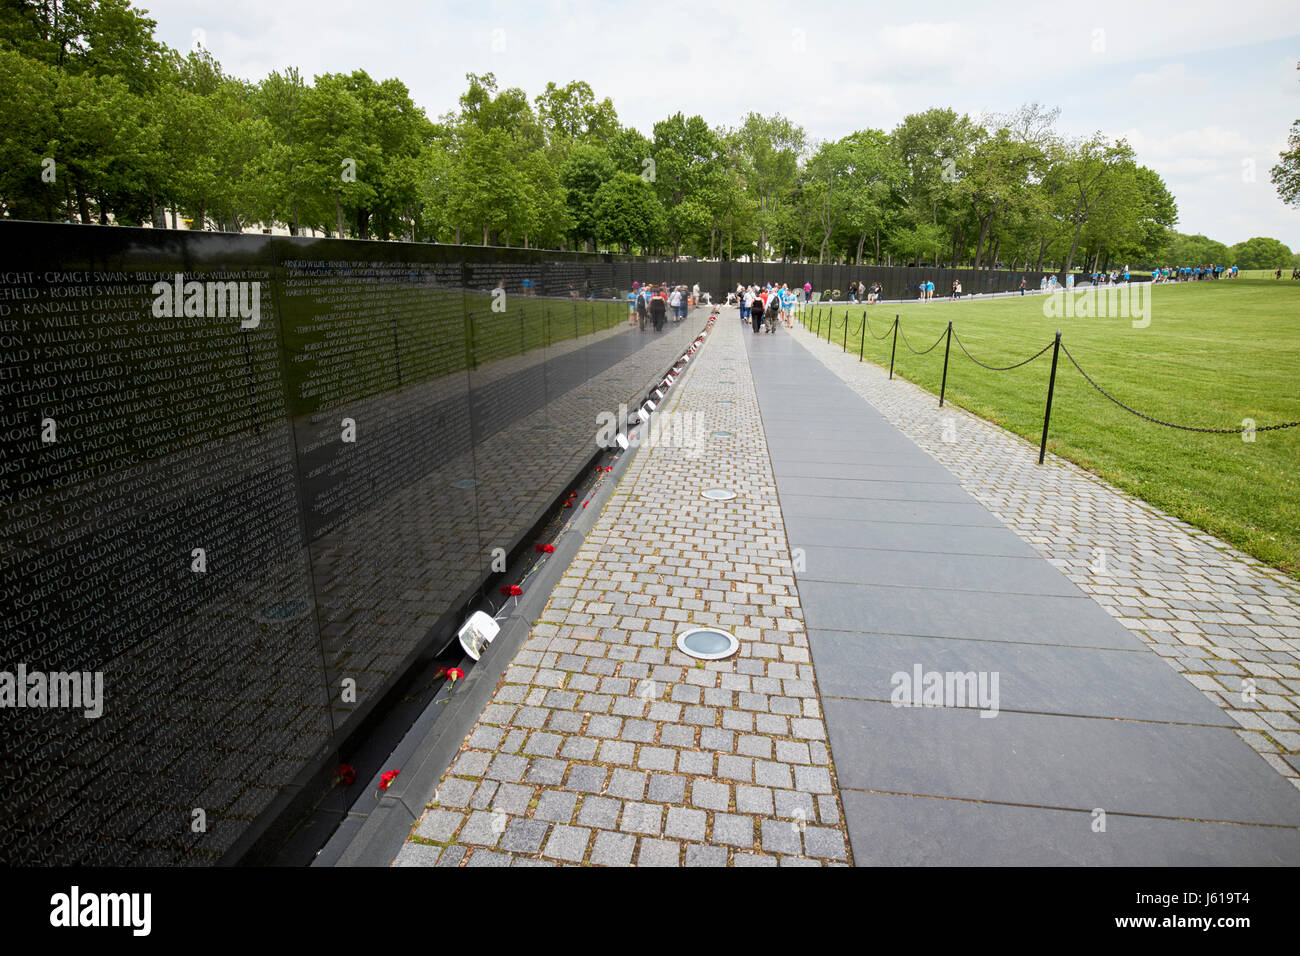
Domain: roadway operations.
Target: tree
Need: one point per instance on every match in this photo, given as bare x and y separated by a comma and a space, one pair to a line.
688, 160
1183, 250
1260, 253
1286, 174
629, 213
584, 172
1088, 170
769, 150
570, 114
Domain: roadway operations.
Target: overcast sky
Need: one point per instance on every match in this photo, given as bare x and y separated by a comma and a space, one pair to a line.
1205, 92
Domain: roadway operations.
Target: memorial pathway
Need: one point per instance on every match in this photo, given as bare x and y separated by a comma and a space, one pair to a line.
604, 744
856, 561
1099, 753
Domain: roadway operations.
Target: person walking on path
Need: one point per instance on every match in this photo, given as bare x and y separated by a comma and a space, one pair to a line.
643, 306
773, 309
658, 308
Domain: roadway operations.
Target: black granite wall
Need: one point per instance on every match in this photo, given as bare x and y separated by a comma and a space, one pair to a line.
250, 522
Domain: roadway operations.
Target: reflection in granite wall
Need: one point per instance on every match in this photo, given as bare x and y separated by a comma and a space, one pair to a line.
246, 501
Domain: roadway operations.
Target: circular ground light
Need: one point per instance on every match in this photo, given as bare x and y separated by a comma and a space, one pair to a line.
722, 434
464, 483
707, 644
719, 494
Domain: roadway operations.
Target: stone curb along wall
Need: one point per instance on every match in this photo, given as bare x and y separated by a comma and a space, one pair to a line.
235, 509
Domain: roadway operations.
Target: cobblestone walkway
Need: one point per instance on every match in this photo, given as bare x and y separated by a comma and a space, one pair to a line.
1228, 623
604, 744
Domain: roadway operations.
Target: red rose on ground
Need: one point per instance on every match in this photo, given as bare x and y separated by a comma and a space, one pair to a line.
454, 674
387, 779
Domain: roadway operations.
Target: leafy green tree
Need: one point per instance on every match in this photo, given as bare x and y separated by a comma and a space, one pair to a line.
769, 150
570, 114
688, 159
629, 213
1260, 253
584, 172
1286, 174
1184, 250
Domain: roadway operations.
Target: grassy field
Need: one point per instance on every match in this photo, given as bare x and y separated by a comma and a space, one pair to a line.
1215, 353
1265, 274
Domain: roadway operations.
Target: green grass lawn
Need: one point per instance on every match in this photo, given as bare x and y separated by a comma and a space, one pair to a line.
1265, 274
1214, 354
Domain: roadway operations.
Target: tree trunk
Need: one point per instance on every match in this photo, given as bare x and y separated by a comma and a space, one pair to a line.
363, 223
984, 234
201, 220
993, 256
338, 213
293, 226
1074, 246
83, 205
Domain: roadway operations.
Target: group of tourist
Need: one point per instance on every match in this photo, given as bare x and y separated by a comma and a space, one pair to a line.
653, 303
766, 307
873, 293
1193, 273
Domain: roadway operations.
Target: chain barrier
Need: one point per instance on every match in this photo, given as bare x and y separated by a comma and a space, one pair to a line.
1088, 378
998, 368
1157, 421
873, 334
927, 351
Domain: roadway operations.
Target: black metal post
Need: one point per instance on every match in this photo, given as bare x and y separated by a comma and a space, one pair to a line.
819, 323
1051, 385
943, 385
893, 348
845, 346
862, 346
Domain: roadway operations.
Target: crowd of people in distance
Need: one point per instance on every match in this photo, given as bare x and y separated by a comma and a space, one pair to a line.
766, 307
652, 303
861, 292
1193, 273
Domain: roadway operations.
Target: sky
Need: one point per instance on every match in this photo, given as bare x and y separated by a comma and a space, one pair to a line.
1204, 92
